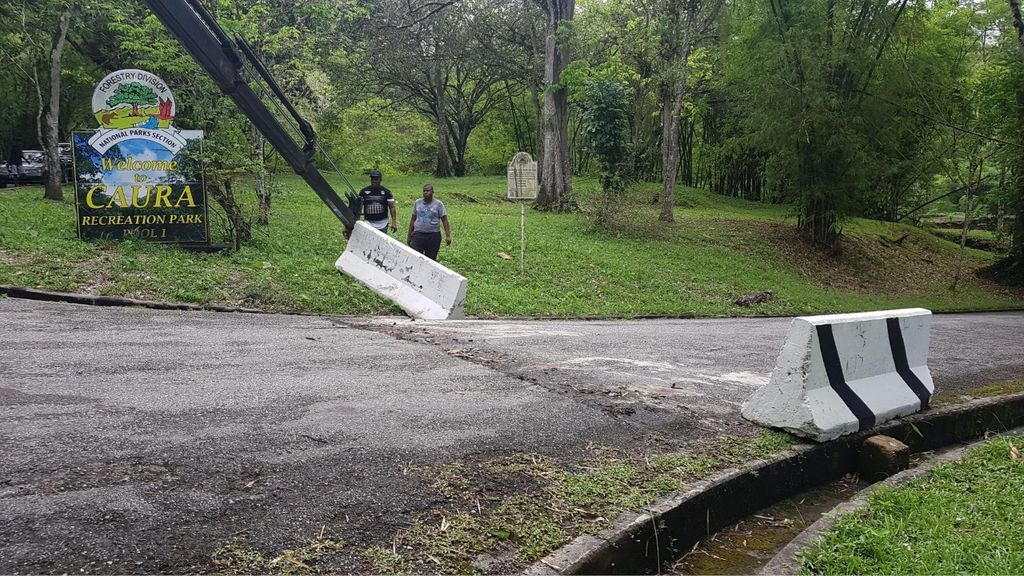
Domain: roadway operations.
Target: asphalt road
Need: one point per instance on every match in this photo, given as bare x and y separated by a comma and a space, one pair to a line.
706, 366
136, 440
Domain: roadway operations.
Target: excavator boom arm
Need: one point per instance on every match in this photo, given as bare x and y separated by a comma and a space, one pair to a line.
197, 30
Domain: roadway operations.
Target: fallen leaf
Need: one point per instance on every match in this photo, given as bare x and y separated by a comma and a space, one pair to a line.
504, 256
1014, 452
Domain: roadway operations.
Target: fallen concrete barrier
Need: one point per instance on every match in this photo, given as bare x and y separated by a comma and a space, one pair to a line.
843, 373
420, 286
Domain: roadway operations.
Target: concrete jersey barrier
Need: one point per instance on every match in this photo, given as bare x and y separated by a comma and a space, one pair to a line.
420, 286
843, 373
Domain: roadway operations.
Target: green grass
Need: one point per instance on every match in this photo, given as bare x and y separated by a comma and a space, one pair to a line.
522, 507
719, 248
963, 518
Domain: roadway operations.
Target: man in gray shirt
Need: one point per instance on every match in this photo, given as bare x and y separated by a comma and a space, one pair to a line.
428, 214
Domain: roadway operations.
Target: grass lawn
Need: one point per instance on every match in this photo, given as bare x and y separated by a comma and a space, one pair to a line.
718, 249
963, 518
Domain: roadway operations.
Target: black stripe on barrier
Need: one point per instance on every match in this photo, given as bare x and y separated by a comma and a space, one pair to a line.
834, 370
899, 356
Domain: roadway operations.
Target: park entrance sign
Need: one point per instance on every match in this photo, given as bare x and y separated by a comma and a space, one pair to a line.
137, 176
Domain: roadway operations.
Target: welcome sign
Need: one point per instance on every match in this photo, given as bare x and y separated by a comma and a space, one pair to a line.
138, 176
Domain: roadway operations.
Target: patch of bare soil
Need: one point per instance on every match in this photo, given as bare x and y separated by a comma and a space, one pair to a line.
97, 271
13, 259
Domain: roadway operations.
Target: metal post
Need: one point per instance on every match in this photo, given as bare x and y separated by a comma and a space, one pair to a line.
522, 237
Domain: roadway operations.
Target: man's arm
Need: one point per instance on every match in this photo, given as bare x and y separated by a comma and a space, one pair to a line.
447, 231
412, 221
394, 214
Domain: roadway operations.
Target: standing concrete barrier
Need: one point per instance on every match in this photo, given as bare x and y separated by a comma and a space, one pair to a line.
843, 373
420, 286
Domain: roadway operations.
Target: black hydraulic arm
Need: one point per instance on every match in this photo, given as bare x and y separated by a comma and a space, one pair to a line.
197, 30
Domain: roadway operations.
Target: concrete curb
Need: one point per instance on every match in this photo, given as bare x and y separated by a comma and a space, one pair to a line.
639, 543
786, 561
93, 300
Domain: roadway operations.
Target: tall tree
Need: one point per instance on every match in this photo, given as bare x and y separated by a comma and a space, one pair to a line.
1015, 261
54, 172
428, 56
512, 32
605, 129
620, 40
40, 30
808, 73
556, 170
687, 21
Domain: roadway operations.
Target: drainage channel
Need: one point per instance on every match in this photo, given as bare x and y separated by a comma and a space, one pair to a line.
747, 546
801, 483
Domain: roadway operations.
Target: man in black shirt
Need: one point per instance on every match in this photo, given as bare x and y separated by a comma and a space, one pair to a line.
377, 203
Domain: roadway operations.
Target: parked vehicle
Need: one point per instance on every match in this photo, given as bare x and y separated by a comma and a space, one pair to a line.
33, 167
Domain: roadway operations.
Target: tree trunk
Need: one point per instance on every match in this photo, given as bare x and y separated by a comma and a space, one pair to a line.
224, 195
460, 139
670, 123
263, 194
1018, 24
538, 123
443, 166
40, 133
971, 188
686, 152
1016, 258
556, 171
1017, 246
53, 177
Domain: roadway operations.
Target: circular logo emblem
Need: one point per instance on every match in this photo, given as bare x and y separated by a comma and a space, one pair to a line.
133, 99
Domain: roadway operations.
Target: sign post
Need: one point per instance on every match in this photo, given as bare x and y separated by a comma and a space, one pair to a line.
522, 186
138, 177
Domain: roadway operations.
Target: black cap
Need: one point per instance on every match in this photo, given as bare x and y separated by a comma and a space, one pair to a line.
374, 174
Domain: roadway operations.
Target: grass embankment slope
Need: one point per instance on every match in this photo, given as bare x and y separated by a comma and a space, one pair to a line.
719, 249
963, 518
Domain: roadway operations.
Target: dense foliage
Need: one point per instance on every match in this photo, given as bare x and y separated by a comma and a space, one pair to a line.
604, 124
888, 109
